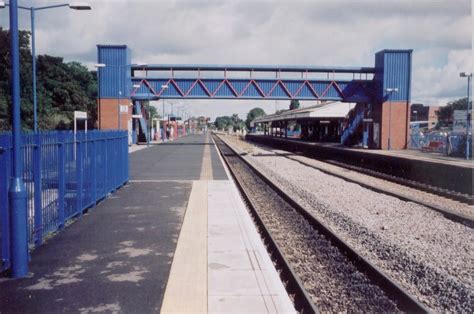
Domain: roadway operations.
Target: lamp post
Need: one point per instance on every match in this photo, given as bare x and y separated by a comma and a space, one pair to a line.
390, 91
75, 6
164, 87
468, 122
17, 191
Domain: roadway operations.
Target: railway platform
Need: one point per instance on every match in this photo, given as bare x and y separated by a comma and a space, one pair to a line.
177, 238
451, 174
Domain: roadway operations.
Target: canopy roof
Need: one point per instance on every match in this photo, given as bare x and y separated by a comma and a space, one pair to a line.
327, 110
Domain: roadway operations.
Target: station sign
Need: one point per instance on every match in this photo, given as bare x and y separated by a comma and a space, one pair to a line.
123, 109
459, 121
80, 115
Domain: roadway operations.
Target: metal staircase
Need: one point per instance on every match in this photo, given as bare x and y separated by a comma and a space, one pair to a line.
143, 125
351, 130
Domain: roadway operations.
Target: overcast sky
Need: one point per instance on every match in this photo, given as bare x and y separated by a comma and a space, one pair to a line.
323, 33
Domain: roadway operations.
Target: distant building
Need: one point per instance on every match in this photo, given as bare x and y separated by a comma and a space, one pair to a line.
420, 112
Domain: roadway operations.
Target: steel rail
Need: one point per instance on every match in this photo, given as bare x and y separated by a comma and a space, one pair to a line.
449, 214
405, 302
294, 286
450, 194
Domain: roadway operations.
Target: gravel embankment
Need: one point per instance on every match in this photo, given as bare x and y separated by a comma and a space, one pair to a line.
430, 256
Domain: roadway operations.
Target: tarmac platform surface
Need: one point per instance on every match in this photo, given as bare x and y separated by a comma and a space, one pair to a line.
176, 238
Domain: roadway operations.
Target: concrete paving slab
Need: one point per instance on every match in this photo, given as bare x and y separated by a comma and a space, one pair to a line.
116, 258
177, 160
237, 304
240, 278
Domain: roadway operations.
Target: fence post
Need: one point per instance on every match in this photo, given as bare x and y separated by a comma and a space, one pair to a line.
126, 161
79, 173
38, 221
62, 179
93, 153
106, 162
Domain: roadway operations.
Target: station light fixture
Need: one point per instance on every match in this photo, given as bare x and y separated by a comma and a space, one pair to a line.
136, 86
2, 5
164, 86
80, 6
99, 65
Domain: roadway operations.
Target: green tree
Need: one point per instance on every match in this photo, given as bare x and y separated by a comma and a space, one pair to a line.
62, 88
294, 104
222, 123
445, 114
237, 123
25, 78
252, 114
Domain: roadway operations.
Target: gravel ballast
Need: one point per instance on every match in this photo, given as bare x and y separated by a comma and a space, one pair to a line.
330, 279
427, 254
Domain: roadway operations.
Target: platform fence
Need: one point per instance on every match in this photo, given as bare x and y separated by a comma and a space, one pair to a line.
446, 143
64, 174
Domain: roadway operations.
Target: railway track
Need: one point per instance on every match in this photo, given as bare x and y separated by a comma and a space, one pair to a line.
457, 196
429, 188
449, 214
321, 270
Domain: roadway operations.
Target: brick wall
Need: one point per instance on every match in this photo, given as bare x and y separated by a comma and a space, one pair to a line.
398, 121
108, 113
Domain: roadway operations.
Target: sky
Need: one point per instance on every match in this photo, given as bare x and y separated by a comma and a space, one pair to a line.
315, 33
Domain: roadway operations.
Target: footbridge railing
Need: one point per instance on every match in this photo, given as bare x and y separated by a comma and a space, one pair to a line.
64, 174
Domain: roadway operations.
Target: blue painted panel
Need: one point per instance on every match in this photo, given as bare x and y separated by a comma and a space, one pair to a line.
305, 92
356, 90
224, 91
293, 86
239, 85
393, 70
265, 86
185, 84
116, 75
212, 85
278, 91
319, 87
198, 90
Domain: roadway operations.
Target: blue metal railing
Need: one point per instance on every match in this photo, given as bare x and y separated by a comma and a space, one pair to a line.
350, 130
452, 143
64, 174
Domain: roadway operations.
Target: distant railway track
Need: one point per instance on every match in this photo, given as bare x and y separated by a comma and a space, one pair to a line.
321, 270
423, 186
450, 214
457, 196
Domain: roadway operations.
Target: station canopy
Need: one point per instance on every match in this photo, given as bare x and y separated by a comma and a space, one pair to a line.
327, 110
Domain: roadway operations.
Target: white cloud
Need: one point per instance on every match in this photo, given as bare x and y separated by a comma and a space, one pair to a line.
319, 32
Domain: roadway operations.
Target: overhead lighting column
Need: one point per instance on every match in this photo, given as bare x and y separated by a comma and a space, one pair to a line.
468, 122
74, 6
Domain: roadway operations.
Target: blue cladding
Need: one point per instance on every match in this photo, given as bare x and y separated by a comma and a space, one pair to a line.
116, 75
64, 175
192, 88
393, 70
